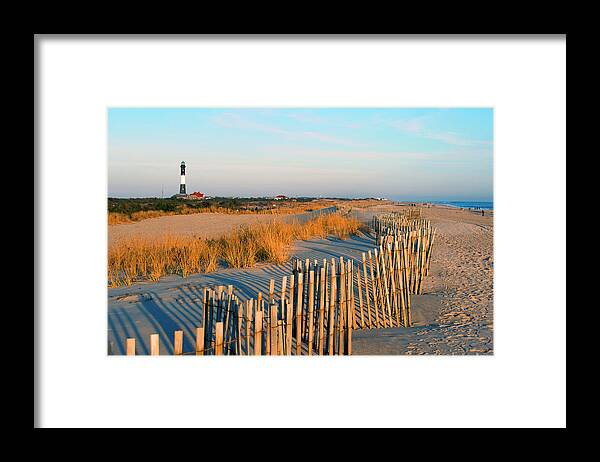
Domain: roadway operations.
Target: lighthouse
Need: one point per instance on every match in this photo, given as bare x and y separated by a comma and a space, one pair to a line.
182, 183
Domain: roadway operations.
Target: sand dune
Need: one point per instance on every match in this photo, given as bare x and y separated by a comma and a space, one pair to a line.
209, 225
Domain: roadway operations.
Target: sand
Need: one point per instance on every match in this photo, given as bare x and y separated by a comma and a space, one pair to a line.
453, 316
210, 225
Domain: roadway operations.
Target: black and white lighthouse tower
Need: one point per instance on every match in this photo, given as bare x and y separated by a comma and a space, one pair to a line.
182, 184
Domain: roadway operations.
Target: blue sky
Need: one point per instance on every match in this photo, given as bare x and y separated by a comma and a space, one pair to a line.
403, 154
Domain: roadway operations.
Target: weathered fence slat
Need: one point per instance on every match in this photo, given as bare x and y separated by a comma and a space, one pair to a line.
154, 345
178, 342
130, 347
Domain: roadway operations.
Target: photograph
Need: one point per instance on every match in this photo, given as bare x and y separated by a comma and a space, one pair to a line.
303, 220
313, 231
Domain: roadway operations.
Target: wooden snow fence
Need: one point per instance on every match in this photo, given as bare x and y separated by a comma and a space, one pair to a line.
312, 312
415, 237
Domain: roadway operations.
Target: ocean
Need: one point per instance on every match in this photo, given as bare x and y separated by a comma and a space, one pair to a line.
467, 204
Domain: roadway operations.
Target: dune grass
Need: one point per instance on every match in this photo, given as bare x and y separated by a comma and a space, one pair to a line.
145, 259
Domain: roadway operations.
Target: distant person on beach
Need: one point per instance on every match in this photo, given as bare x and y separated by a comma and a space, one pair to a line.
482, 212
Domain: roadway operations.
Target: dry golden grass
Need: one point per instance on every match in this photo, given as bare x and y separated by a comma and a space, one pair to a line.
147, 259
273, 241
115, 218
238, 249
211, 256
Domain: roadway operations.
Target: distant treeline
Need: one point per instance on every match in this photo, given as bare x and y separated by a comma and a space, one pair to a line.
129, 206
145, 204
136, 209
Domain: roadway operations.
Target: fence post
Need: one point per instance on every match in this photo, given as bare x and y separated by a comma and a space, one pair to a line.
154, 345
326, 290
292, 299
258, 323
374, 291
248, 322
381, 295
208, 328
299, 315
266, 316
350, 307
311, 306
400, 272
283, 287
289, 315
364, 262
130, 347
271, 291
360, 300
351, 289
178, 343
322, 286
342, 307
349, 329
393, 292
219, 338
273, 330
331, 323
205, 316
199, 341
385, 276
238, 326
305, 290
226, 322
280, 337
407, 287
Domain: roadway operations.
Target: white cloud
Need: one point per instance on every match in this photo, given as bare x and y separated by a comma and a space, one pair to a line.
417, 127
235, 121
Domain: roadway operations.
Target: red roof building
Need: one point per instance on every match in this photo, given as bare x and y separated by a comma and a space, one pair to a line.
196, 195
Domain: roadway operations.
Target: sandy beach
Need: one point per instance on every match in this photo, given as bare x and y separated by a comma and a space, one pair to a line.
461, 282
454, 315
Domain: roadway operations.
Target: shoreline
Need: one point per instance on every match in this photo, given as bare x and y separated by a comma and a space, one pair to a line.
462, 207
